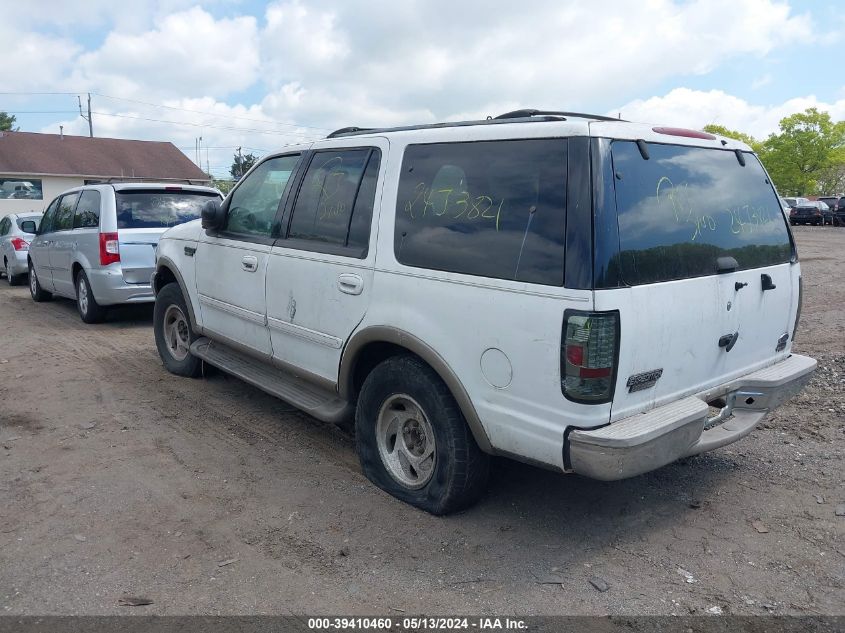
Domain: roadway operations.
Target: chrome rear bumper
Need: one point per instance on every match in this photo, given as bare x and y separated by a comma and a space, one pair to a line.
649, 440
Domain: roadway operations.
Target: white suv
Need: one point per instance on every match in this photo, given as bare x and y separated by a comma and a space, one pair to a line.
577, 292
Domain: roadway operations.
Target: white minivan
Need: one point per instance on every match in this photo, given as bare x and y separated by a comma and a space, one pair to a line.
582, 293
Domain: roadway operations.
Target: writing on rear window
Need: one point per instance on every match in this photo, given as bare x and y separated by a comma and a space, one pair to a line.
685, 207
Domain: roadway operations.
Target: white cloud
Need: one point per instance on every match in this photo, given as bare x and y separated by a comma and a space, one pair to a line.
697, 108
764, 80
188, 53
31, 60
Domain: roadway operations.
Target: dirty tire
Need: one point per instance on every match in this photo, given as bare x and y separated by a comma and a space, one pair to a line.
169, 300
89, 310
460, 469
35, 290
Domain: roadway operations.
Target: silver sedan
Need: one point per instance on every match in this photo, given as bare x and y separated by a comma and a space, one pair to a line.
16, 232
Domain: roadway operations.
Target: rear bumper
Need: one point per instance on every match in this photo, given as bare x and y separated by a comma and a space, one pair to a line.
647, 441
110, 288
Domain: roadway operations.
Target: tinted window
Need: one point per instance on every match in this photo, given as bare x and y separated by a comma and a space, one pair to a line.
335, 201
157, 209
686, 206
49, 216
87, 211
255, 202
64, 215
5, 225
494, 209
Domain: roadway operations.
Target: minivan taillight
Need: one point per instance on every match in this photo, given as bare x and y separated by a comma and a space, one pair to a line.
19, 244
589, 355
109, 249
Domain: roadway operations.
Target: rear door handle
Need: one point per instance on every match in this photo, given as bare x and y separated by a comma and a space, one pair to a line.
249, 263
350, 284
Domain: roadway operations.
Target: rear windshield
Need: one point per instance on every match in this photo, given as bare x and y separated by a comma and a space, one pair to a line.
685, 207
159, 209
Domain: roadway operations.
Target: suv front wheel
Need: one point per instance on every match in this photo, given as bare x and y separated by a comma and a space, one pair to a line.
413, 441
173, 332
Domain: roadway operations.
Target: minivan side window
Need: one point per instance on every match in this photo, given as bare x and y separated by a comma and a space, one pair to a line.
334, 208
255, 202
88, 210
46, 225
64, 215
486, 208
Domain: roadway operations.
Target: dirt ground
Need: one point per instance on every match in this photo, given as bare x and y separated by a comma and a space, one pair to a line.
207, 496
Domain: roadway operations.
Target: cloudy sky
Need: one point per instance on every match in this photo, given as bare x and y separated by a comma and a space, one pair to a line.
263, 75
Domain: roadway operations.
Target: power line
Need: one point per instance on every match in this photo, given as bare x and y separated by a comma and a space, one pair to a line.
214, 114
37, 111
206, 125
40, 93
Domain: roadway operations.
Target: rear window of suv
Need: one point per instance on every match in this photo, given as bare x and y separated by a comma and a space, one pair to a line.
685, 207
487, 208
154, 209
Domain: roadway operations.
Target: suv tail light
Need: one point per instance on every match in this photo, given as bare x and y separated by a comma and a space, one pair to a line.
19, 244
589, 355
109, 249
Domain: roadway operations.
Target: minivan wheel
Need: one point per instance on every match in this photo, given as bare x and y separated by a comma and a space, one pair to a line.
35, 289
413, 441
89, 310
173, 332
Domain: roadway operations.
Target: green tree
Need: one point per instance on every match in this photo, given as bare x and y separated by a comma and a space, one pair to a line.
7, 122
721, 130
807, 155
242, 164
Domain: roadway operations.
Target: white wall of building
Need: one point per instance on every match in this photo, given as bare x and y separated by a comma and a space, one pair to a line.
51, 186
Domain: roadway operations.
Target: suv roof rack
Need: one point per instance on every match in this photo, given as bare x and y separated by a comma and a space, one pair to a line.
517, 116
527, 113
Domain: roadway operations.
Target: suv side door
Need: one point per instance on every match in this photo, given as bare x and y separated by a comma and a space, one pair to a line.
320, 273
39, 248
231, 264
62, 245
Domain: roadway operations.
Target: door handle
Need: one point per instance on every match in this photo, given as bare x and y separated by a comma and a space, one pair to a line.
350, 284
249, 263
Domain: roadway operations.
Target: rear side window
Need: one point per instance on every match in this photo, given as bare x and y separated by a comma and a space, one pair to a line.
490, 208
87, 211
685, 207
335, 202
157, 209
64, 214
49, 217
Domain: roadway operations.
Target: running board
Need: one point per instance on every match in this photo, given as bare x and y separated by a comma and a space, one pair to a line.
323, 404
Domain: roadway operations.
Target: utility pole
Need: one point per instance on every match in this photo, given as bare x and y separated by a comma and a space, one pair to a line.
240, 163
87, 118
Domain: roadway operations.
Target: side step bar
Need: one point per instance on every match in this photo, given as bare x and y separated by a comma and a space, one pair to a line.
323, 404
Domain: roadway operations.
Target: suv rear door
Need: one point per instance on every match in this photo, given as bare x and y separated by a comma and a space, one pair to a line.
320, 274
704, 258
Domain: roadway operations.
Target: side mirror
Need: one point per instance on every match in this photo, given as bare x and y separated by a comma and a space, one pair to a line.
29, 226
213, 215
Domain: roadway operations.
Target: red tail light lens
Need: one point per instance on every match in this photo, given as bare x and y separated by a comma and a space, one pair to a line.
589, 355
109, 249
19, 244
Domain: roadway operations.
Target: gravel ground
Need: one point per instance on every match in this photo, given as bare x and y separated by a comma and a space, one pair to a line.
119, 481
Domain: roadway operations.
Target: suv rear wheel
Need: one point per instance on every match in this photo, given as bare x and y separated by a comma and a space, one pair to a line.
89, 310
35, 289
173, 332
413, 441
